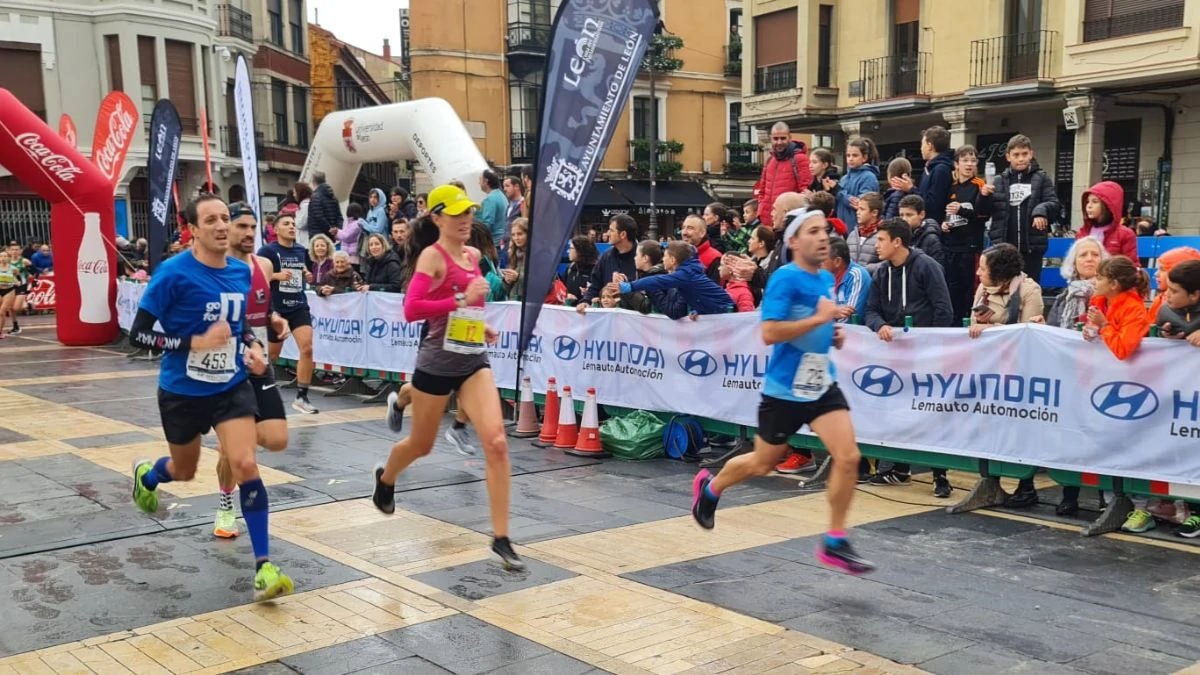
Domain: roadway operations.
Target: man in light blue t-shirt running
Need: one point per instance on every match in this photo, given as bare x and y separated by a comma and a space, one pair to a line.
800, 387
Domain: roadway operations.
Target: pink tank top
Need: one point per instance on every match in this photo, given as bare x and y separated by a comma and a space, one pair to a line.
258, 304
431, 357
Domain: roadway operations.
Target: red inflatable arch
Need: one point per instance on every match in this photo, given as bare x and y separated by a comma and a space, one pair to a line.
81, 222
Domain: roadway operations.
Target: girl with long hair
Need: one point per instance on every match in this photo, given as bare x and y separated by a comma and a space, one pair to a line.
448, 291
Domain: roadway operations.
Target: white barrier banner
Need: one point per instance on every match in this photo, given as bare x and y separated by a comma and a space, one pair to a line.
129, 295
1025, 394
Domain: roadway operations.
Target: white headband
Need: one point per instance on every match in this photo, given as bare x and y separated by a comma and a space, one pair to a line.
798, 217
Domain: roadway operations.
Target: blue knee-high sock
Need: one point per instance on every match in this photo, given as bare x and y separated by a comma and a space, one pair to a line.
158, 474
254, 509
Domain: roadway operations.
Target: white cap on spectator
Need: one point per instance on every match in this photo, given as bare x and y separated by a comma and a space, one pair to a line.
796, 218
121, 241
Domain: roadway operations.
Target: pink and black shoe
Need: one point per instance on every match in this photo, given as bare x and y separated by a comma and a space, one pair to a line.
839, 554
704, 504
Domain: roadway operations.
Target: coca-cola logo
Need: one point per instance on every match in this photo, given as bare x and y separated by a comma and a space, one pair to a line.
97, 267
42, 295
60, 166
120, 126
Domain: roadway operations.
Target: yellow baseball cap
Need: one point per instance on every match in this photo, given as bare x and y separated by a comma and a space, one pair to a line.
450, 200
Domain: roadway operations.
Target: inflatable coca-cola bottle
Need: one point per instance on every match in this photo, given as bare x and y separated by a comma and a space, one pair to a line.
81, 201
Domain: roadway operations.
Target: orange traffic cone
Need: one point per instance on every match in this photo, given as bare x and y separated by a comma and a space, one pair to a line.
589, 430
527, 423
568, 433
549, 417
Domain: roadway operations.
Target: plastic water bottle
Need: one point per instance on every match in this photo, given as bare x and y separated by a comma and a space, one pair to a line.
908, 322
92, 273
989, 170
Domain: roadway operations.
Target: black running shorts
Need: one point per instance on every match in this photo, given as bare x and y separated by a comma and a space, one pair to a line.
778, 419
297, 318
441, 385
184, 418
266, 394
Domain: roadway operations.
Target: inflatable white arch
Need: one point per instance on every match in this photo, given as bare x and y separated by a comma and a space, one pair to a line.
426, 130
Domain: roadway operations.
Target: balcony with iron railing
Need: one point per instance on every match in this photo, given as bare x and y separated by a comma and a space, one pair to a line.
733, 57
231, 141
778, 77
666, 166
235, 23
743, 159
1008, 64
895, 81
524, 148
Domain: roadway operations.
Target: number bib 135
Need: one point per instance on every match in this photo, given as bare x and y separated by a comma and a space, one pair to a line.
465, 331
812, 377
215, 366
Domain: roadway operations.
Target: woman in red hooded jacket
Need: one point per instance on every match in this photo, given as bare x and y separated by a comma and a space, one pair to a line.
1101, 220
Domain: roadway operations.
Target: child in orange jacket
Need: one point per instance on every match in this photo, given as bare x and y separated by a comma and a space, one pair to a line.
1118, 311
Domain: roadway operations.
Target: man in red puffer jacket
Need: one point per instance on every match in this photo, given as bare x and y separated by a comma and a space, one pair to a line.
786, 170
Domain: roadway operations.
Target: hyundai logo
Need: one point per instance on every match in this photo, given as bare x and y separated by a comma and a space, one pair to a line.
378, 328
566, 348
697, 362
1124, 400
878, 381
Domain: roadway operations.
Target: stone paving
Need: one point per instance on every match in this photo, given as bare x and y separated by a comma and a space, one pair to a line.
620, 580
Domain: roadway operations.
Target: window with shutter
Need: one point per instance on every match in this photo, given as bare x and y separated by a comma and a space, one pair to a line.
775, 47
1106, 19
112, 47
181, 83
279, 110
22, 75
148, 75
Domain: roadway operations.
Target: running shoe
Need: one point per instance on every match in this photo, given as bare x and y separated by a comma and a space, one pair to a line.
16, 330
843, 557
145, 498
890, 477
384, 497
226, 526
460, 440
796, 463
302, 405
1190, 528
395, 414
270, 583
503, 549
704, 508
1139, 521
941, 487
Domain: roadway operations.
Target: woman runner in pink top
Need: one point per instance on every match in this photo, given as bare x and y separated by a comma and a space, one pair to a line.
447, 291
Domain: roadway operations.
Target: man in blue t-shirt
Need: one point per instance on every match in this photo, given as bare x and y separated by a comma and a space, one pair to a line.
198, 301
291, 264
800, 387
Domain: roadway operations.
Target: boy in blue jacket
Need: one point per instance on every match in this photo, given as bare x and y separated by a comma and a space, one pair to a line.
687, 276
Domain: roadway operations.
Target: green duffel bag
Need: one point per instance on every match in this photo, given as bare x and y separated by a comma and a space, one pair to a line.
637, 435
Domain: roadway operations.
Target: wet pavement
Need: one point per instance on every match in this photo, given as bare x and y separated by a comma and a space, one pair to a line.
619, 579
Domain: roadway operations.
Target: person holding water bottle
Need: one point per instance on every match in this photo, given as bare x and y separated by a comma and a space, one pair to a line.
447, 291
963, 230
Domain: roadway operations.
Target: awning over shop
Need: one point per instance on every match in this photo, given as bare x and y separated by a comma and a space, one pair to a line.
672, 198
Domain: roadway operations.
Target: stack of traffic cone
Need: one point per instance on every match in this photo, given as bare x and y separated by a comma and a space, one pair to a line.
568, 433
527, 423
589, 430
549, 417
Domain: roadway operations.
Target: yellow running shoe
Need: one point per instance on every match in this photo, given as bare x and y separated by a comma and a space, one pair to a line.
270, 583
226, 526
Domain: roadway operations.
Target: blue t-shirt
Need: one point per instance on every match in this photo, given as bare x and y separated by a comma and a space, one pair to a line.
187, 297
800, 369
287, 296
493, 212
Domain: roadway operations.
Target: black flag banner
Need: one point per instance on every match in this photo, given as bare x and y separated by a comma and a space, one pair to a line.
596, 48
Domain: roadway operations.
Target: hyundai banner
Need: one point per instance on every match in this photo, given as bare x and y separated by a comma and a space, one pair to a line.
596, 48
1026, 394
166, 133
